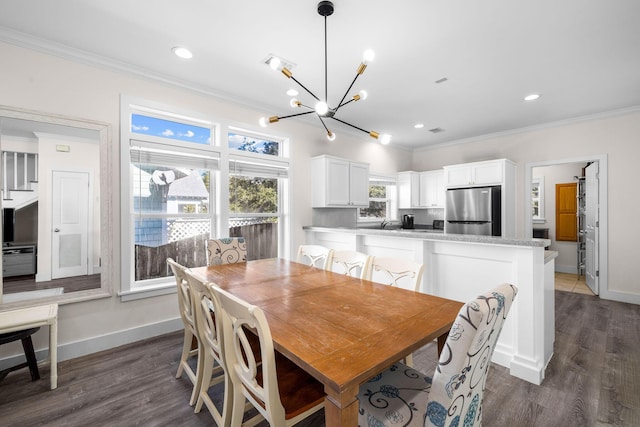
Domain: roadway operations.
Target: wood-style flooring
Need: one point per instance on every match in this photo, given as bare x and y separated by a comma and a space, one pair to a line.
593, 379
16, 284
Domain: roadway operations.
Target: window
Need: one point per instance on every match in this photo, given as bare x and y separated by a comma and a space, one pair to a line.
382, 199
258, 188
189, 180
169, 207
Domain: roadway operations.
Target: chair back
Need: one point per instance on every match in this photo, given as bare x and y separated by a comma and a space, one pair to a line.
226, 250
315, 256
207, 315
351, 263
257, 381
399, 272
459, 380
185, 304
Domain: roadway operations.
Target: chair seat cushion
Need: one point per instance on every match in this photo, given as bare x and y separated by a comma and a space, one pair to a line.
396, 397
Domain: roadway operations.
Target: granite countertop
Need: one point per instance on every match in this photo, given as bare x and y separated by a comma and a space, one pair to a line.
430, 234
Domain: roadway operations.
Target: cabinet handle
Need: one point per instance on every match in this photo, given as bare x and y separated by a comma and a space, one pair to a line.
56, 230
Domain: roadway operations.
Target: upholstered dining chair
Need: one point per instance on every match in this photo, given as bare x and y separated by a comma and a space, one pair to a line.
392, 271
191, 344
277, 388
351, 263
315, 256
227, 250
402, 396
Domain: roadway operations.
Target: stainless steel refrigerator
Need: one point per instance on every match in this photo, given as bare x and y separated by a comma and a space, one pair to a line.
473, 211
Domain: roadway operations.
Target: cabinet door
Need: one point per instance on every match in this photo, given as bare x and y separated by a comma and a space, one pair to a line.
432, 190
566, 208
408, 190
337, 182
359, 185
458, 176
487, 173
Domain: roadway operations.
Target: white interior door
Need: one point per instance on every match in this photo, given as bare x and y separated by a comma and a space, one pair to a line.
591, 227
69, 224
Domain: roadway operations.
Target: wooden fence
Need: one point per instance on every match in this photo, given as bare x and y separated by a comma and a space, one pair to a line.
151, 262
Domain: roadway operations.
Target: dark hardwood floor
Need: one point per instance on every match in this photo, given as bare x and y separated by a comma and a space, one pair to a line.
70, 284
592, 380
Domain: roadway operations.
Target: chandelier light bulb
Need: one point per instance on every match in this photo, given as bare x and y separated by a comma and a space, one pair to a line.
368, 56
385, 139
263, 122
363, 94
322, 108
295, 103
331, 136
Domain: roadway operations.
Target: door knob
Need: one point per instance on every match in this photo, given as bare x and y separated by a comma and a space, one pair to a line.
56, 230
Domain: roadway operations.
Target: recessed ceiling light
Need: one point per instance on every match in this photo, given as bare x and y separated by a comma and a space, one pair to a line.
532, 97
182, 52
418, 125
292, 92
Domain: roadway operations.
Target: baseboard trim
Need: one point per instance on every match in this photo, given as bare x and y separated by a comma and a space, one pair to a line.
104, 342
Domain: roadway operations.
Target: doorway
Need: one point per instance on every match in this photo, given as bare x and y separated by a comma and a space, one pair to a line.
597, 237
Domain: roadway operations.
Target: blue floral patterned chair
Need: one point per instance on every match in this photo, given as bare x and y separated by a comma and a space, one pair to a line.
402, 396
226, 251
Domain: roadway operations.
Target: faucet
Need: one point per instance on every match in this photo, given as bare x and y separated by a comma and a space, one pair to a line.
384, 223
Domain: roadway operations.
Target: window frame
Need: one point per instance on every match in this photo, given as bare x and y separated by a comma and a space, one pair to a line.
219, 189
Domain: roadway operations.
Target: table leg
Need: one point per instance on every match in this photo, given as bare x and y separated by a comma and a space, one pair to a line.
342, 409
53, 353
442, 339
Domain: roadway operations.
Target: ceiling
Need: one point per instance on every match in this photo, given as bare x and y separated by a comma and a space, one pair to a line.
582, 56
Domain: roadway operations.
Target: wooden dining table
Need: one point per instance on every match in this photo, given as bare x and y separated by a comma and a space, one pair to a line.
339, 329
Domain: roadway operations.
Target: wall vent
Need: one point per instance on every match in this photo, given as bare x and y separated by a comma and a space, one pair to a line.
436, 130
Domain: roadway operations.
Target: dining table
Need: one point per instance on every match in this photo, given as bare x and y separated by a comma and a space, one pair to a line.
340, 329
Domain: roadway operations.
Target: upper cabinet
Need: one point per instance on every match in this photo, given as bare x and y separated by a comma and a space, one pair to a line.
421, 189
432, 189
339, 183
491, 172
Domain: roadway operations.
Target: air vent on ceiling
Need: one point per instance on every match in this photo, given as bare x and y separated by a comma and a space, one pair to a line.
436, 130
442, 80
283, 62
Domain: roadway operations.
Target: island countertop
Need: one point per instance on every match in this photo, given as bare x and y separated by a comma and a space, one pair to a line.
427, 234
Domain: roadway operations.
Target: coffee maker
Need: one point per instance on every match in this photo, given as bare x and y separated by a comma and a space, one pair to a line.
407, 221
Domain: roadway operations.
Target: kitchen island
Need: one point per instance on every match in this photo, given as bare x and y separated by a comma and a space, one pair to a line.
460, 267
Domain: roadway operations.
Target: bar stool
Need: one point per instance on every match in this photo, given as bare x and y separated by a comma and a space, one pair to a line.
27, 345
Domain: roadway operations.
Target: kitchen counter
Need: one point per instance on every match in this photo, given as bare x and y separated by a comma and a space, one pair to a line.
431, 234
460, 267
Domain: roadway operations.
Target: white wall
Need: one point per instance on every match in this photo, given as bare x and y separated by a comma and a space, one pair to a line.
46, 83
615, 136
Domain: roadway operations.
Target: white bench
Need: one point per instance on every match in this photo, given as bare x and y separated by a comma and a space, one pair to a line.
33, 317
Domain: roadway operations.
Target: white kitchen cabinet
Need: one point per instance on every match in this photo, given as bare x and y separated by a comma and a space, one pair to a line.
408, 184
491, 172
339, 182
432, 189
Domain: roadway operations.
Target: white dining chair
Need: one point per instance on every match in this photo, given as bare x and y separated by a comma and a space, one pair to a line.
393, 271
314, 255
277, 388
403, 396
191, 344
351, 263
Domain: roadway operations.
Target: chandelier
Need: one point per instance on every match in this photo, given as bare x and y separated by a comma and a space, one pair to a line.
321, 107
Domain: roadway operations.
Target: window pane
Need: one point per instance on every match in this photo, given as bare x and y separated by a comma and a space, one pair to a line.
253, 194
378, 191
169, 190
260, 234
156, 239
253, 144
375, 210
147, 125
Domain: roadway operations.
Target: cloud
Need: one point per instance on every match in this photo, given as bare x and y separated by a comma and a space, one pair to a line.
168, 133
139, 128
189, 134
